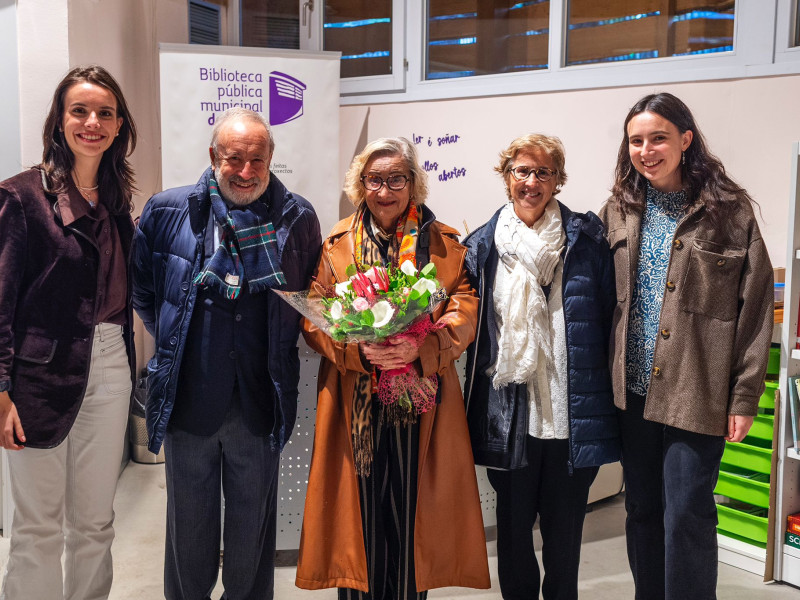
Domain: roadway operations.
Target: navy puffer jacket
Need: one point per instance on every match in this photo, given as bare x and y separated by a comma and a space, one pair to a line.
168, 254
498, 431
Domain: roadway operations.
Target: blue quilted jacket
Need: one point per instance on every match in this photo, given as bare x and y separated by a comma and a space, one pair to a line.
498, 432
168, 254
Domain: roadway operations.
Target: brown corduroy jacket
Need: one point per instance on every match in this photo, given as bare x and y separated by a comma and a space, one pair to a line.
716, 319
449, 543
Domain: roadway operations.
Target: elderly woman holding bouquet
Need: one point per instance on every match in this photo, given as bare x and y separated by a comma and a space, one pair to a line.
392, 508
540, 404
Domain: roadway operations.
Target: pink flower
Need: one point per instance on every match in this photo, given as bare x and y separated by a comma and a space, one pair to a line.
360, 304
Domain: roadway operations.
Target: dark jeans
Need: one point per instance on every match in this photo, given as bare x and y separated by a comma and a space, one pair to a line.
545, 489
671, 528
248, 470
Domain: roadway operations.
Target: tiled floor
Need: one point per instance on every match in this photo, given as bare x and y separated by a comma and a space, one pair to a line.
139, 554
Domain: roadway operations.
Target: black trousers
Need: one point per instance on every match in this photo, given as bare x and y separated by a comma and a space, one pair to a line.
671, 527
388, 506
544, 489
247, 468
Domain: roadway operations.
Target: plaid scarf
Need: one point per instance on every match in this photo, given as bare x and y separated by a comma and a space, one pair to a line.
247, 250
402, 247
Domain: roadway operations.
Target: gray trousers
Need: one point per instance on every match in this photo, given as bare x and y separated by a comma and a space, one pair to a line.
248, 470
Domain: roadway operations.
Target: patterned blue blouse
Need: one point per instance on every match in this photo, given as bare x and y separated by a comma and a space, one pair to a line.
661, 215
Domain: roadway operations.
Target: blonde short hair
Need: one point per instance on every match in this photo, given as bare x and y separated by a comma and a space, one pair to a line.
549, 144
399, 146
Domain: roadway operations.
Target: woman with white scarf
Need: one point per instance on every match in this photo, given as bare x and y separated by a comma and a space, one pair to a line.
538, 389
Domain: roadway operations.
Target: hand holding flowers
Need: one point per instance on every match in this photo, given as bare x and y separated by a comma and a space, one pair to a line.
386, 310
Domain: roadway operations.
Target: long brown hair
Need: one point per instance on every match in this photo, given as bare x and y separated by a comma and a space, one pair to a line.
115, 175
701, 172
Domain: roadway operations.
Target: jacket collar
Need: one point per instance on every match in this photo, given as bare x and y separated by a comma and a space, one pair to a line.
275, 198
482, 239
427, 219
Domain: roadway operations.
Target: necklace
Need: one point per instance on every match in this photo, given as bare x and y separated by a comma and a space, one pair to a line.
85, 191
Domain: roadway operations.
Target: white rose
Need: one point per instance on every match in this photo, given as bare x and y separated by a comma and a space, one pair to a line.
336, 310
408, 268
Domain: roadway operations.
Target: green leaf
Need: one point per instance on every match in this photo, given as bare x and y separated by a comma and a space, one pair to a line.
428, 271
350, 270
367, 317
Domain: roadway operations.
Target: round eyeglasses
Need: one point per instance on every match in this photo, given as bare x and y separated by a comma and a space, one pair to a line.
394, 182
522, 172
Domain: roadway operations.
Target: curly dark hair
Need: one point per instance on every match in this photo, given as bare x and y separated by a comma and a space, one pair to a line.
115, 176
701, 172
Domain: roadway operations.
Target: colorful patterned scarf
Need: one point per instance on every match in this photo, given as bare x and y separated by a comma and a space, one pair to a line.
247, 251
402, 247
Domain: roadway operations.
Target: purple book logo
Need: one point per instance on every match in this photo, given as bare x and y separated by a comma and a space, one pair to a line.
285, 98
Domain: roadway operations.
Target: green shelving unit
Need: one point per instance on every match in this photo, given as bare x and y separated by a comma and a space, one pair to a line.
743, 486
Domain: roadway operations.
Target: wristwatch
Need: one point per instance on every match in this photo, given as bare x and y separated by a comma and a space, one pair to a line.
5, 386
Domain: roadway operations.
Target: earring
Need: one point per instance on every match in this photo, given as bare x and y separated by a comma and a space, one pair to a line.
683, 158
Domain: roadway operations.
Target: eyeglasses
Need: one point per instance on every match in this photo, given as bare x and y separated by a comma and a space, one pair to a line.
543, 174
394, 182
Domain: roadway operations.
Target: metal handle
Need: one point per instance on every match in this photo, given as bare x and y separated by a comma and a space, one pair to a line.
308, 6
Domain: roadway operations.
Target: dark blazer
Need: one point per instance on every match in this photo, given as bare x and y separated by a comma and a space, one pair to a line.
168, 254
48, 305
589, 300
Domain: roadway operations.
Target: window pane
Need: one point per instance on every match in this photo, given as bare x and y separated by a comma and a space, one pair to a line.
617, 30
796, 33
362, 31
480, 37
270, 23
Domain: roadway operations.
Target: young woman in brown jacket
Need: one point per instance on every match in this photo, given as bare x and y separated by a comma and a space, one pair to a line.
690, 340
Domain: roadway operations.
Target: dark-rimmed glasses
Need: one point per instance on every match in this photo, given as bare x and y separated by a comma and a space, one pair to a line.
522, 172
394, 182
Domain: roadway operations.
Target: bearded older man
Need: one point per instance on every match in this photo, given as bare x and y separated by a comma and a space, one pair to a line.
223, 381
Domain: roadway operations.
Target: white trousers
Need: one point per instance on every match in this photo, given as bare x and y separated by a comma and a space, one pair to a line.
64, 496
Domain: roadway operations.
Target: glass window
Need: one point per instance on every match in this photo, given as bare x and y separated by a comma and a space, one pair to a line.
481, 37
600, 32
796, 32
362, 31
270, 23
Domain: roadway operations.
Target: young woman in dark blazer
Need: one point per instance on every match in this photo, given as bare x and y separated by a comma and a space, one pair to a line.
66, 344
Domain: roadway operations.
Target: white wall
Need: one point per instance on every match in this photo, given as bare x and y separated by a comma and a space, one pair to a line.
750, 124
10, 162
43, 59
123, 36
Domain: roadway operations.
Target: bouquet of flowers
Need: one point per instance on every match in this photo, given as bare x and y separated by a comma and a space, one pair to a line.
374, 305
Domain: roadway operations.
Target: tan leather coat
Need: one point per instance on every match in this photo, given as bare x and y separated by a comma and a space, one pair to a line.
716, 318
449, 542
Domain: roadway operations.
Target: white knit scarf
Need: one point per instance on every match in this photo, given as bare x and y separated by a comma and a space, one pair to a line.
528, 259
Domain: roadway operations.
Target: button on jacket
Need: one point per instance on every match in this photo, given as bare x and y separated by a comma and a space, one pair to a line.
716, 318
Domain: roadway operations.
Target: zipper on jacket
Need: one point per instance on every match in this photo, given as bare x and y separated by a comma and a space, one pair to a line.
471, 378
571, 459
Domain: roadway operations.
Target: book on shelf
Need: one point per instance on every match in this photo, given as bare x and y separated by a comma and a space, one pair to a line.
794, 407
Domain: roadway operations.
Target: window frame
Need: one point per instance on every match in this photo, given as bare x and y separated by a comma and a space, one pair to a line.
754, 55
762, 30
374, 84
786, 26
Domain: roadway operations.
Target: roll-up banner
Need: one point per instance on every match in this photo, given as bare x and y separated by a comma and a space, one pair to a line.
297, 91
